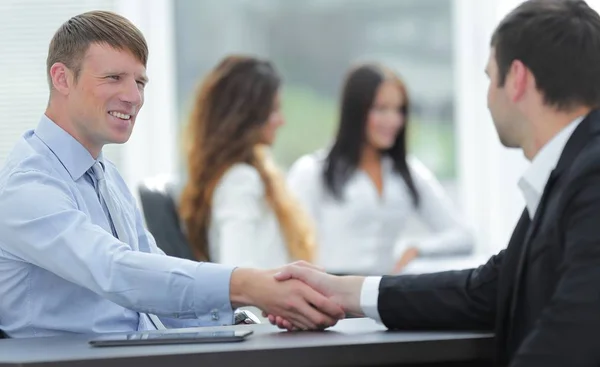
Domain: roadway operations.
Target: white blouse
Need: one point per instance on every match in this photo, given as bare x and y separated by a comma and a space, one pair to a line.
358, 235
244, 230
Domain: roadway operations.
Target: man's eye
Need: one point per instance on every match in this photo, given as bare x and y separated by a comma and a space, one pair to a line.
115, 77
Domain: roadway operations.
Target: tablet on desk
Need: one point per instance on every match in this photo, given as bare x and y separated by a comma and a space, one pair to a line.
157, 338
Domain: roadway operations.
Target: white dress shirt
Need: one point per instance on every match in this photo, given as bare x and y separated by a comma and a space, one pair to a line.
360, 233
244, 230
533, 181
531, 184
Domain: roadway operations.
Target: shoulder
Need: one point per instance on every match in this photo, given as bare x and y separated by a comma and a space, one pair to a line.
585, 167
32, 183
241, 173
27, 165
239, 192
241, 177
580, 156
418, 169
309, 164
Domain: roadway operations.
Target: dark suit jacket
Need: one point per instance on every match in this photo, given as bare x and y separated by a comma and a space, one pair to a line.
541, 295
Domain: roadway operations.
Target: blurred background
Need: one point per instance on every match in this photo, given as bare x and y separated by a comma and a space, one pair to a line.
440, 48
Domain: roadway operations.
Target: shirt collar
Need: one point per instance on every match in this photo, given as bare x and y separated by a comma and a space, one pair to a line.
76, 159
533, 181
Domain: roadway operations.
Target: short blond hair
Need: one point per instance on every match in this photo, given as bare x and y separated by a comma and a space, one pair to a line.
72, 40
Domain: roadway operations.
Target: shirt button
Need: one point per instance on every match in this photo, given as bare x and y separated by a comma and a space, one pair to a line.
214, 315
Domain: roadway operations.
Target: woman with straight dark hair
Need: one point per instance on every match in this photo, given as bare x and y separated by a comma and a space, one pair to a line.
362, 191
236, 206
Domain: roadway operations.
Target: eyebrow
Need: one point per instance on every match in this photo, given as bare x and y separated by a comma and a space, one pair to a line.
143, 78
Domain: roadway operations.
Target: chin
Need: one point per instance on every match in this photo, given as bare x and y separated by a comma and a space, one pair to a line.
385, 146
120, 139
267, 141
509, 144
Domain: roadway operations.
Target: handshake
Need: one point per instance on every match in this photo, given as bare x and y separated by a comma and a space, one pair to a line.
298, 296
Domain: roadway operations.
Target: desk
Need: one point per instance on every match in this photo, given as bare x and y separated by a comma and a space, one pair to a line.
353, 342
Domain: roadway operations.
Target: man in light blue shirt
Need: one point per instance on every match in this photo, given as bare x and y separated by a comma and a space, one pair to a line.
74, 255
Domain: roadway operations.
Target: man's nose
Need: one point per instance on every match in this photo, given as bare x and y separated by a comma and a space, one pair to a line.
132, 93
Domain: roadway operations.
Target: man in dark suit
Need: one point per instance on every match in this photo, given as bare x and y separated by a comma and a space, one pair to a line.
541, 295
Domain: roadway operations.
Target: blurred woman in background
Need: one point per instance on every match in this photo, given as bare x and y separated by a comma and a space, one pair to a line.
235, 207
362, 191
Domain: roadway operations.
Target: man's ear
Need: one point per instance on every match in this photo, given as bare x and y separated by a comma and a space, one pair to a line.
62, 78
518, 76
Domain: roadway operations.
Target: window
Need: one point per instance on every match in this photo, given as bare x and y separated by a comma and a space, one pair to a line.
313, 43
25, 32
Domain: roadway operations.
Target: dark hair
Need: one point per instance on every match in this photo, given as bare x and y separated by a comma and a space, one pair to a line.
559, 41
72, 40
358, 95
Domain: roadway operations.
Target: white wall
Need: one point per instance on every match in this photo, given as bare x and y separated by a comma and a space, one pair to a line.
487, 172
153, 147
26, 28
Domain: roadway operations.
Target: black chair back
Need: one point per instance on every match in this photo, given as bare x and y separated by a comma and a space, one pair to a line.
158, 200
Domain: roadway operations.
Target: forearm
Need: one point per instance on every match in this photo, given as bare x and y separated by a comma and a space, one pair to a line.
440, 301
449, 300
139, 281
168, 286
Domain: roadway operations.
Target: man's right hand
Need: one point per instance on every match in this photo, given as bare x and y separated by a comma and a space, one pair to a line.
344, 291
303, 307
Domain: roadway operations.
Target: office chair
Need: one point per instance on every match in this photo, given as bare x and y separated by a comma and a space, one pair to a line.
158, 200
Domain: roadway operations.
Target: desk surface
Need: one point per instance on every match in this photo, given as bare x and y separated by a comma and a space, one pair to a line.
353, 342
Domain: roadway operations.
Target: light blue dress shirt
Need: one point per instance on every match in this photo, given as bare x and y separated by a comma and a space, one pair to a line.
61, 269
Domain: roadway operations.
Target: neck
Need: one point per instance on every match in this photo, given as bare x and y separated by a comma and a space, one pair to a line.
546, 125
370, 156
59, 115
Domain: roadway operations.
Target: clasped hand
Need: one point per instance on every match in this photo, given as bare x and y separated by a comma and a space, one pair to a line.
317, 300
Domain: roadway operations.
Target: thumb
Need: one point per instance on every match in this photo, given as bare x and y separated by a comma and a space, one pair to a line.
283, 275
306, 264
291, 272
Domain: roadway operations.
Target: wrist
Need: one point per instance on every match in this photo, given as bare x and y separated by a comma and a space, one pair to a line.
240, 285
350, 289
